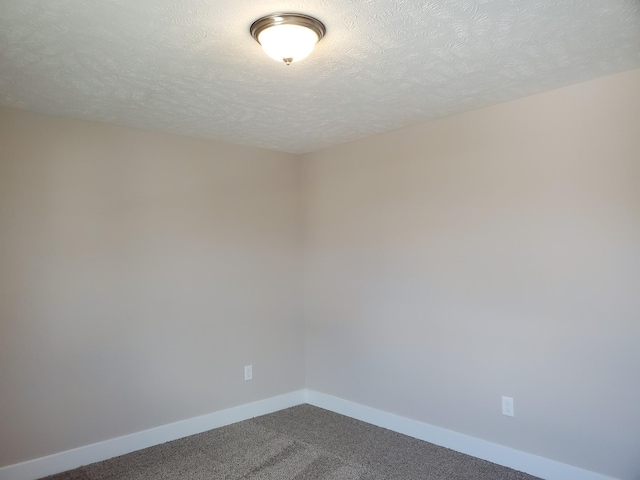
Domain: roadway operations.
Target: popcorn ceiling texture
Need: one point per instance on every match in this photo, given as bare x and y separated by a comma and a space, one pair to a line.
191, 67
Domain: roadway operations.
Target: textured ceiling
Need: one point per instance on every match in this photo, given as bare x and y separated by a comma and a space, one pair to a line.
191, 67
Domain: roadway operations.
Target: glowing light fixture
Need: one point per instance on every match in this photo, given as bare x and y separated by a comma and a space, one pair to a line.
287, 37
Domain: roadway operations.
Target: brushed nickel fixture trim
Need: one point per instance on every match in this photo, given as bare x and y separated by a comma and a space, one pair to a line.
275, 19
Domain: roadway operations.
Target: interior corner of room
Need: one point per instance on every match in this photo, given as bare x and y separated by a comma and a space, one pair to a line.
471, 280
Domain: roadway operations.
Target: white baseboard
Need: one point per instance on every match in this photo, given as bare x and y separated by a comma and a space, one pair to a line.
492, 452
59, 462
508, 457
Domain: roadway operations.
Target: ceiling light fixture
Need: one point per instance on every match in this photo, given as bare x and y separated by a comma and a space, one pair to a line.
287, 37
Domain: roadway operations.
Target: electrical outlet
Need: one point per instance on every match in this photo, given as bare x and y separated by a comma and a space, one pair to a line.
507, 406
248, 372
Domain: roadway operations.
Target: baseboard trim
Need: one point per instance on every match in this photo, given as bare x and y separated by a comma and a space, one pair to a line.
493, 452
60, 462
508, 457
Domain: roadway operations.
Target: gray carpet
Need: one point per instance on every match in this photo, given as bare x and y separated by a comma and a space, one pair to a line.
299, 443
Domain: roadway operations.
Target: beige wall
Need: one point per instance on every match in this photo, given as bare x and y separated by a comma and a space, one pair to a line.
491, 253
139, 273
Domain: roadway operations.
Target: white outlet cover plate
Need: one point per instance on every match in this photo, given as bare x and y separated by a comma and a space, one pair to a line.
248, 372
507, 406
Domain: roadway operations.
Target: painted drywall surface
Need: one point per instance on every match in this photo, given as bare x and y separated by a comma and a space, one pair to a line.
491, 253
139, 273
192, 67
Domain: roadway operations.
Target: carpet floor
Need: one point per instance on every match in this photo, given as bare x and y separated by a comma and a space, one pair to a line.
299, 443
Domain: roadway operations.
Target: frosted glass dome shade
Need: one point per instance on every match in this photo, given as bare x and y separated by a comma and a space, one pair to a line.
288, 42
287, 37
